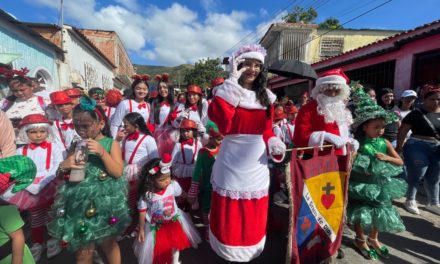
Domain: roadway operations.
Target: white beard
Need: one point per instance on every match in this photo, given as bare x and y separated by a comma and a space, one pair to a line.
333, 109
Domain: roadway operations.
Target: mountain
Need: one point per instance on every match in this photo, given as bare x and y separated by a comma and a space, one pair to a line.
176, 73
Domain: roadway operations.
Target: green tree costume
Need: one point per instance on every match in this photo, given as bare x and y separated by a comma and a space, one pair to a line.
92, 210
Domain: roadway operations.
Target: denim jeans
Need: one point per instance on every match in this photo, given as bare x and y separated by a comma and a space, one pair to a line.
422, 161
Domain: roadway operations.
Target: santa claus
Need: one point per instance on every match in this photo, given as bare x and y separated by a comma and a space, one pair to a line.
326, 119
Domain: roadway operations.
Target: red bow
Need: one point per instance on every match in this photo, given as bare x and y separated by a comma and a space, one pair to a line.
188, 142
143, 105
133, 136
164, 104
43, 145
4, 181
194, 107
66, 126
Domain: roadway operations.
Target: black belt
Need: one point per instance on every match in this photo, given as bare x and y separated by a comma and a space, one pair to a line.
5, 250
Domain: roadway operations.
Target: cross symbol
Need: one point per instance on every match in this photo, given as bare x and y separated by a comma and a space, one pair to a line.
328, 188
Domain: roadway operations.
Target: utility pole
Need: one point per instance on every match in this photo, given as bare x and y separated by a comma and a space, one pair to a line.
62, 24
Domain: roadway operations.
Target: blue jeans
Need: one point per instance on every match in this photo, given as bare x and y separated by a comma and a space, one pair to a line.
422, 160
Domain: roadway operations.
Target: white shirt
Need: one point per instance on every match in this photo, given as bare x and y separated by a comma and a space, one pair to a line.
192, 115
161, 207
20, 109
287, 131
163, 114
123, 109
184, 161
39, 156
64, 137
109, 113
146, 151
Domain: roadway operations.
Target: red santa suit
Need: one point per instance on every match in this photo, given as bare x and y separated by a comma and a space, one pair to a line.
125, 107
240, 176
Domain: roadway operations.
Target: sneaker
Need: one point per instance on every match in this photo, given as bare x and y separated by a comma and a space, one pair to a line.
411, 206
433, 208
37, 251
97, 258
53, 248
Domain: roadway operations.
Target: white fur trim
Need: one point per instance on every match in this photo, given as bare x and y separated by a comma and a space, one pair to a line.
253, 55
240, 195
275, 143
236, 95
316, 139
331, 79
230, 91
236, 253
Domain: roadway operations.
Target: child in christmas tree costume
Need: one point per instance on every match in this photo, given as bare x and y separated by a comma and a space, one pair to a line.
36, 132
16, 173
94, 210
373, 181
201, 190
164, 228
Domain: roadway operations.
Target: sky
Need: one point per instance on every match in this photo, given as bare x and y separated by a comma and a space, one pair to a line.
165, 32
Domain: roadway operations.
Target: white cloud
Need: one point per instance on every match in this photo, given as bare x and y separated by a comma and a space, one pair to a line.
210, 5
130, 4
169, 36
263, 12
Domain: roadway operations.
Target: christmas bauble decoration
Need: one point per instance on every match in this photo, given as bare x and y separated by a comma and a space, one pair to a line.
91, 212
102, 175
113, 220
83, 229
61, 212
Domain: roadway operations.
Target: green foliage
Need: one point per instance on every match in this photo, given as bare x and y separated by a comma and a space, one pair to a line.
330, 23
299, 14
204, 72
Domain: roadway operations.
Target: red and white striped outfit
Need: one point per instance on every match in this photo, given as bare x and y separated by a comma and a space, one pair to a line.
125, 107
240, 176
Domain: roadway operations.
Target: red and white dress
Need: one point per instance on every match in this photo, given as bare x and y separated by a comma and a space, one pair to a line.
184, 156
165, 134
240, 175
167, 228
64, 132
40, 194
310, 128
125, 107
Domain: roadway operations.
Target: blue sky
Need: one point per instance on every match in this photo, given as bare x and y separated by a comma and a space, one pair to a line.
165, 32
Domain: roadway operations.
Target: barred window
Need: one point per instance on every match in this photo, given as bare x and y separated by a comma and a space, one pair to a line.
331, 47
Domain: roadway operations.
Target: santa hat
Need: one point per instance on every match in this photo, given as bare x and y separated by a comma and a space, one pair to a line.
164, 165
16, 173
252, 51
188, 124
329, 78
60, 98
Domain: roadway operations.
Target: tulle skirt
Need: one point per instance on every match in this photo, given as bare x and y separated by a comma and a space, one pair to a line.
24, 200
161, 241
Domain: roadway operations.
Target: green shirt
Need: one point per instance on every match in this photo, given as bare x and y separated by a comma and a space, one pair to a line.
10, 221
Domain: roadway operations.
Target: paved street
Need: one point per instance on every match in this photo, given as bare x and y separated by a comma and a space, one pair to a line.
420, 243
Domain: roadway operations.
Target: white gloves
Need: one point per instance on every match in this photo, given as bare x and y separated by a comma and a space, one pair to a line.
334, 139
277, 149
354, 144
235, 73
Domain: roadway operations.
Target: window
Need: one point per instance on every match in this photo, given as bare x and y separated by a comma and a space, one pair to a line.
331, 47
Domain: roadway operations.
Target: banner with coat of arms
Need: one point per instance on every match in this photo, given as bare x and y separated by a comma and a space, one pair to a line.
318, 196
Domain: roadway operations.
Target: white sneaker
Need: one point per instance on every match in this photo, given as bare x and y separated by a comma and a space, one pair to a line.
411, 206
53, 248
433, 208
37, 251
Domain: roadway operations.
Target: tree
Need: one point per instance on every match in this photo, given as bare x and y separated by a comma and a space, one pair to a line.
299, 14
204, 72
330, 23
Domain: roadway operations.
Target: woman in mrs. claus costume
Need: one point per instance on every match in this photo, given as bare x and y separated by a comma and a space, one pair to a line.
242, 108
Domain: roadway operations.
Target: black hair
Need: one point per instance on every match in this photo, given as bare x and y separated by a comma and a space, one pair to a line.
134, 84
136, 119
146, 179
95, 90
159, 99
368, 87
127, 93
379, 99
21, 79
195, 134
209, 94
412, 107
199, 104
359, 133
94, 115
259, 87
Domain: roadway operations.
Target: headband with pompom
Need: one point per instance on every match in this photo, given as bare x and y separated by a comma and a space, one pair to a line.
10, 73
144, 77
164, 165
164, 77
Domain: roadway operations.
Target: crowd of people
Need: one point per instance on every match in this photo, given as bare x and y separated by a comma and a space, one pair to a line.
94, 168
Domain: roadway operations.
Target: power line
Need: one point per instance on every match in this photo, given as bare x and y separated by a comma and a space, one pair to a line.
330, 30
